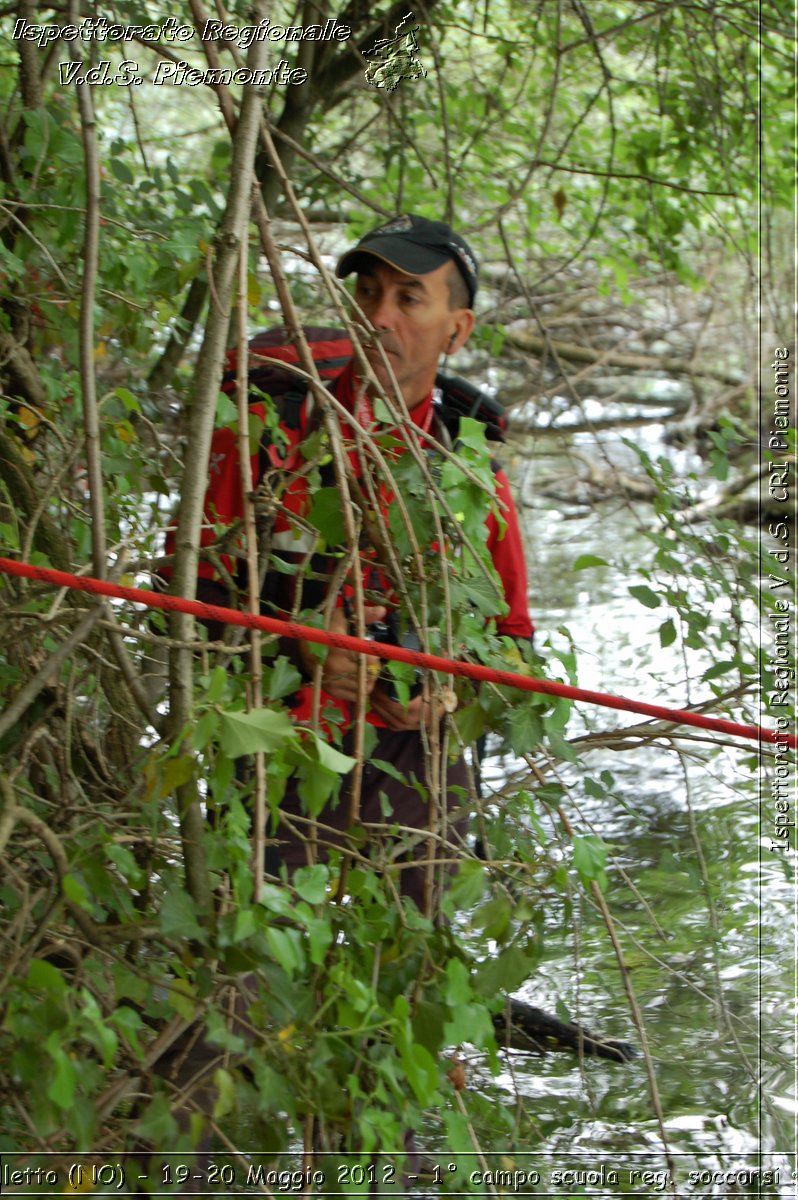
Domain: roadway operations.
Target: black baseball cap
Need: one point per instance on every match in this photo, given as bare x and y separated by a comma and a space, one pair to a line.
417, 246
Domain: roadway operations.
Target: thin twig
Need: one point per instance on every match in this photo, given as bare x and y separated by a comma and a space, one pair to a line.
255, 690
634, 1009
129, 673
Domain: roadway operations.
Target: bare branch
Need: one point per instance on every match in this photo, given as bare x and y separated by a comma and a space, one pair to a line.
208, 379
91, 252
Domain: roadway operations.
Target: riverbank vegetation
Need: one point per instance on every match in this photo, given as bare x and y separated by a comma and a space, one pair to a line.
625, 172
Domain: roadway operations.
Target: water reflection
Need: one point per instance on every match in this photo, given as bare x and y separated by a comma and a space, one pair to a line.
704, 914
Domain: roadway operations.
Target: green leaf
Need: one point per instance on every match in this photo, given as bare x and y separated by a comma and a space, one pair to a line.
176, 772
245, 925
667, 633
471, 433
43, 976
246, 733
469, 1023
331, 758
121, 170
471, 722
355, 995
286, 948
560, 748
590, 860
125, 862
13, 267
388, 769
592, 788
75, 892
589, 560
276, 899
216, 685
226, 412
128, 399
327, 515
183, 998
205, 729
275, 1093
62, 1086
283, 679
458, 983
458, 1134
504, 972
310, 883
479, 593
178, 917
129, 1023
719, 465
467, 887
99, 1033
525, 729
721, 668
157, 1126
428, 1023
225, 1093
320, 937
494, 918
316, 785
255, 427
646, 596
128, 984
421, 1070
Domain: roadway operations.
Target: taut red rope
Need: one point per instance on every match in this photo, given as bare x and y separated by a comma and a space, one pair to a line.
433, 662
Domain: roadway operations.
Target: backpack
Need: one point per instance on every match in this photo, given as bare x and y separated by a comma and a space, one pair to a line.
332, 350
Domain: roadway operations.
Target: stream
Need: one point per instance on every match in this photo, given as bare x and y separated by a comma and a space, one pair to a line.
704, 910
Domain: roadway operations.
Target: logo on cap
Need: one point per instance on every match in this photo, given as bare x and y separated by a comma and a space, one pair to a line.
397, 225
464, 256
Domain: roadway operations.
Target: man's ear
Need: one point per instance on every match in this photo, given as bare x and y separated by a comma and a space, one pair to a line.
463, 325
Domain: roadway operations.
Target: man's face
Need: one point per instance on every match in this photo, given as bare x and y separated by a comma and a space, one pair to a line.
417, 326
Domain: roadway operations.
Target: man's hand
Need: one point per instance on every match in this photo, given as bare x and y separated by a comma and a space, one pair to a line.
339, 675
419, 711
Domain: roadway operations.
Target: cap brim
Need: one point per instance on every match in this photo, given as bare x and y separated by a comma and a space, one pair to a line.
396, 252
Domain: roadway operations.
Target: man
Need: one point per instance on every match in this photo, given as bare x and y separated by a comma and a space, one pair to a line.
415, 284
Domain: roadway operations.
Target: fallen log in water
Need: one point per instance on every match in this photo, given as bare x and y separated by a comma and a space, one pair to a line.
521, 1026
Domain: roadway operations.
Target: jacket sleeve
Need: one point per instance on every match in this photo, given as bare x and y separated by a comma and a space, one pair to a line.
507, 551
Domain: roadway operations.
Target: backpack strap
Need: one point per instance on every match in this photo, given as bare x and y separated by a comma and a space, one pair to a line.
460, 398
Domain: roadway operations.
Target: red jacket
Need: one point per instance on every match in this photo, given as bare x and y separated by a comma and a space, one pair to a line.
224, 505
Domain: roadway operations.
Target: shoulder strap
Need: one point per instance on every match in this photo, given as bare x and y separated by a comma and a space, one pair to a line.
460, 398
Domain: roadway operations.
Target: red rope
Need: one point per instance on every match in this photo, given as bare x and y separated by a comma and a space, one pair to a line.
433, 662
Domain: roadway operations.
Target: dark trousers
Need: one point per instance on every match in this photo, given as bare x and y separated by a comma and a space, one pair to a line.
407, 829
402, 829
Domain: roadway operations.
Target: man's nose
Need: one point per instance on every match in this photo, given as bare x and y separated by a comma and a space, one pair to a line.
382, 315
